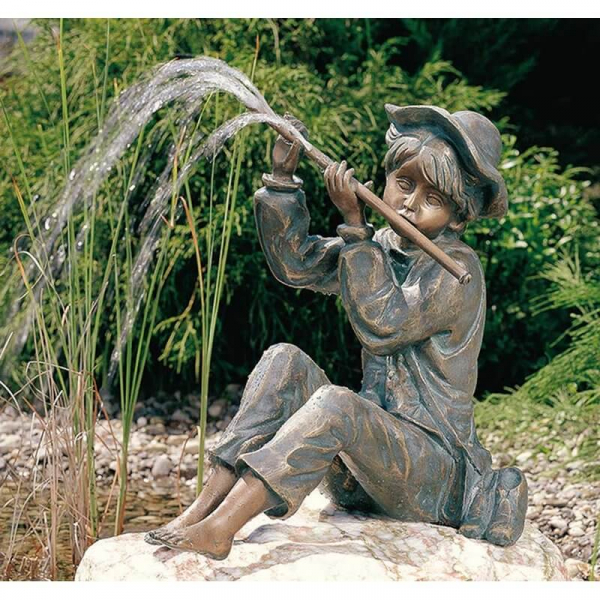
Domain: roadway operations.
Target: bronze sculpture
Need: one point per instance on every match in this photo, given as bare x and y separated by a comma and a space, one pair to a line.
405, 445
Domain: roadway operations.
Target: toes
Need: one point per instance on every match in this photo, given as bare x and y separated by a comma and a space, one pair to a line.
150, 539
174, 538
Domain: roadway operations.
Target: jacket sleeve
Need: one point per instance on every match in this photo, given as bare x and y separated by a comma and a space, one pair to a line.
387, 316
295, 257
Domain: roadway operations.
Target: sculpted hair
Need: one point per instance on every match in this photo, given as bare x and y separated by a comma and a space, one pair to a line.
440, 166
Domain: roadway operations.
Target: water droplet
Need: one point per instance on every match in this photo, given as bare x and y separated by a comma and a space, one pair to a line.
132, 187
72, 175
79, 245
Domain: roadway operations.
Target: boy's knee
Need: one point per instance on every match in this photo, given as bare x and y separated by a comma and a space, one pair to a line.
329, 398
285, 358
282, 349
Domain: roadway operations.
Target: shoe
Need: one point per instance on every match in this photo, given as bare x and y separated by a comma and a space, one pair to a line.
510, 507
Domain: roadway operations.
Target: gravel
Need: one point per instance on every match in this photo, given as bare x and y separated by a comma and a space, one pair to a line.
562, 503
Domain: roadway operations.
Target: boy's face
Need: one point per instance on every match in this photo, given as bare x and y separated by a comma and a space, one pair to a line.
411, 195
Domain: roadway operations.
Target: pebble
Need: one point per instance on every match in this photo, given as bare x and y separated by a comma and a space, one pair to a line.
576, 531
217, 408
559, 523
162, 467
577, 568
563, 505
538, 498
10, 442
524, 456
180, 417
155, 447
156, 428
559, 502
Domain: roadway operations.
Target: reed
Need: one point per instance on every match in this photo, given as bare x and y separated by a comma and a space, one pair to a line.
59, 388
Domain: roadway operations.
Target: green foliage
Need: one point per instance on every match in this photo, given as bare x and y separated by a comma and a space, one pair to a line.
505, 50
572, 377
336, 77
548, 211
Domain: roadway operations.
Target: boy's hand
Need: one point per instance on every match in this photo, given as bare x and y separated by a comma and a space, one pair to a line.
285, 154
341, 192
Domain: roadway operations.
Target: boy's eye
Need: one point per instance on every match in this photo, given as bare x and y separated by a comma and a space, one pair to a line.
435, 200
405, 184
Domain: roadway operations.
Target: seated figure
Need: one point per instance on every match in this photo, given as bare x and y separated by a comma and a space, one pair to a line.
405, 445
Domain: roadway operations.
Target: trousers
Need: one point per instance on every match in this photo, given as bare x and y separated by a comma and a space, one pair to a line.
295, 430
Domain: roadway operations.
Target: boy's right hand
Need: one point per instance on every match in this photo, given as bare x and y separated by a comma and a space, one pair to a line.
285, 154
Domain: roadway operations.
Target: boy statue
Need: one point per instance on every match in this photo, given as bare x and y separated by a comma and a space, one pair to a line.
405, 445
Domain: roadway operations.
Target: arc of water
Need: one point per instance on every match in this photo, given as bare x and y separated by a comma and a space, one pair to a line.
186, 82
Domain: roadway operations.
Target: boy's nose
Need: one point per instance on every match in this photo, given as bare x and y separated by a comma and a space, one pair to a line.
411, 202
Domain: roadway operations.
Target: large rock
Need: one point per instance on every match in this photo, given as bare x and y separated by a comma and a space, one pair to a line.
320, 543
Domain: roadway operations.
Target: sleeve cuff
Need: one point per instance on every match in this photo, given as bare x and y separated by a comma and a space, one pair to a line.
352, 234
282, 185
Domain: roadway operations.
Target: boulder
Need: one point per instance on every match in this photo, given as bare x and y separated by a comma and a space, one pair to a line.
321, 543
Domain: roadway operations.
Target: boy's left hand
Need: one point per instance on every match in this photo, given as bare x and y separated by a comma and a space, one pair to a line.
342, 194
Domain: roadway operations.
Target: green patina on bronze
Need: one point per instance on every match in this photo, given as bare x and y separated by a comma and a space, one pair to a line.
405, 444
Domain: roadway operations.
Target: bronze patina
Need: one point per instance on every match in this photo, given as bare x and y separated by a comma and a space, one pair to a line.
405, 445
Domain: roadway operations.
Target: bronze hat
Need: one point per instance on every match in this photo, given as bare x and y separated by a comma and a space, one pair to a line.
473, 136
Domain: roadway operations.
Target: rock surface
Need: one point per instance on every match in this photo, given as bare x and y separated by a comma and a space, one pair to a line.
320, 543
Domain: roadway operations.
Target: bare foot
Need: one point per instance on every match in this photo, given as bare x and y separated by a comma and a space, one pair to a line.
192, 515
217, 487
204, 538
189, 517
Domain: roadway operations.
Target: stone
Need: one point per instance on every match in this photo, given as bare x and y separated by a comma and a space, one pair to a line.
162, 466
577, 569
576, 530
217, 408
10, 442
320, 543
524, 456
558, 502
234, 391
155, 447
559, 523
180, 417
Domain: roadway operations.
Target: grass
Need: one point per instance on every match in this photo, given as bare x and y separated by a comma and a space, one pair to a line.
69, 336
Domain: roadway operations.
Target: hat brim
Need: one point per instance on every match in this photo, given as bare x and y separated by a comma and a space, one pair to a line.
495, 202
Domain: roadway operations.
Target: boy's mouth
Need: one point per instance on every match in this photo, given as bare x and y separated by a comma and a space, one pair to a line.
406, 214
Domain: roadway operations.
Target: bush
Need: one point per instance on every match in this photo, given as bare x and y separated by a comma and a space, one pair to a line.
329, 74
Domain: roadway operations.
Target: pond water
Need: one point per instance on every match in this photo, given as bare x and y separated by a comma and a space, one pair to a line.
149, 505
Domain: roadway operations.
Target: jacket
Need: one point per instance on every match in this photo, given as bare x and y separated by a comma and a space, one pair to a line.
420, 330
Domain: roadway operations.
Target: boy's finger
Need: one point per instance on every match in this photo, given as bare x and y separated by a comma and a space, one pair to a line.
348, 176
326, 178
340, 173
369, 185
330, 176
